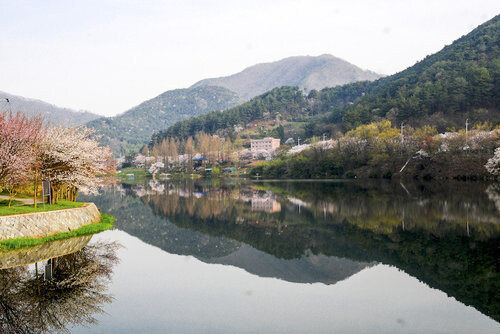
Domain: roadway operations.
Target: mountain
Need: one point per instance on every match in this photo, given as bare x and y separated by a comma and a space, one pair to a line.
127, 132
145, 222
462, 81
309, 268
52, 114
305, 72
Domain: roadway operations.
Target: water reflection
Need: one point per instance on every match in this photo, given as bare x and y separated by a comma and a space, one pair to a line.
61, 292
446, 235
42, 252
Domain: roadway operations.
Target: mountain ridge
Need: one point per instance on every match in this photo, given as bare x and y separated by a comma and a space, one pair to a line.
53, 114
132, 129
305, 72
128, 131
459, 82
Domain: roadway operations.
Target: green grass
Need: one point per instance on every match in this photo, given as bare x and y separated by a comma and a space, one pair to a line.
5, 202
106, 222
14, 210
140, 175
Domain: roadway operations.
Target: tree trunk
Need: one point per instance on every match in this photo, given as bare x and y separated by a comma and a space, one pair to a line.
36, 187
11, 195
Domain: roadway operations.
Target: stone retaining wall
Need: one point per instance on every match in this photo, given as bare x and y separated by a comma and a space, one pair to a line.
45, 251
44, 224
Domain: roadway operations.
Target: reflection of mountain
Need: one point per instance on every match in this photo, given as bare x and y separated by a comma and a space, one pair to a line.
309, 268
148, 225
362, 224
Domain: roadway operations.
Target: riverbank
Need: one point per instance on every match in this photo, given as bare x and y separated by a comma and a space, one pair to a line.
105, 223
56, 222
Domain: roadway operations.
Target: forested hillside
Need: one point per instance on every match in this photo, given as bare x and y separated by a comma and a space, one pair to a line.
461, 81
129, 131
284, 103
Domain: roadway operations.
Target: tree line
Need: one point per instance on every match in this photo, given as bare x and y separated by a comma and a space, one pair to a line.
381, 150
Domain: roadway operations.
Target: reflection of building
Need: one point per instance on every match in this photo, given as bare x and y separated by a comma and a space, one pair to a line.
267, 204
266, 144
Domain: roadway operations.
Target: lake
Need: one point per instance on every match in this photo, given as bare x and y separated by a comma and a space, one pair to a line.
228, 256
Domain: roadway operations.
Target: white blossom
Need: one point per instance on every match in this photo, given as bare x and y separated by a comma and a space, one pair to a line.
493, 164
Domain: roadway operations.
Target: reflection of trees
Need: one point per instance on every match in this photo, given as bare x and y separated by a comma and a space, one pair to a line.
71, 291
138, 219
179, 201
463, 267
365, 225
361, 222
15, 311
383, 207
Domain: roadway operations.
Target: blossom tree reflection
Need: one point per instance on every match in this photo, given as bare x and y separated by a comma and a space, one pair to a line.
70, 292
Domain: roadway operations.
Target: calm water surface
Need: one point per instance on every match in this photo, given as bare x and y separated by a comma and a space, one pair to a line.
269, 257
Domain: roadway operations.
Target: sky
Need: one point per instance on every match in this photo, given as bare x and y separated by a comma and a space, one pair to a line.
107, 56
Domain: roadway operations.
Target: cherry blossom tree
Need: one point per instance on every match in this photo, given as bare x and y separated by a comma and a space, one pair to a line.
493, 164
19, 138
71, 158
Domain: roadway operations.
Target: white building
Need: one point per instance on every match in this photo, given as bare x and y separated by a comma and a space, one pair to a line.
266, 144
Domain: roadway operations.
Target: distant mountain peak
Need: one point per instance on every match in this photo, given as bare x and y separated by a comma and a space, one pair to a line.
307, 72
53, 114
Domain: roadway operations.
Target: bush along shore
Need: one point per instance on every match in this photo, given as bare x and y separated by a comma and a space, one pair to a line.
106, 222
380, 150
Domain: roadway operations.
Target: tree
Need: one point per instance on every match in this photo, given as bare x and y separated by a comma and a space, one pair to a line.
174, 153
203, 141
164, 150
493, 164
71, 158
215, 148
19, 136
145, 150
156, 150
189, 150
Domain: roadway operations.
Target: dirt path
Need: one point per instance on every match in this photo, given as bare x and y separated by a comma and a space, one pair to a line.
24, 200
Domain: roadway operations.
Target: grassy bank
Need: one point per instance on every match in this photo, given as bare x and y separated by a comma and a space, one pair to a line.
106, 222
19, 209
140, 175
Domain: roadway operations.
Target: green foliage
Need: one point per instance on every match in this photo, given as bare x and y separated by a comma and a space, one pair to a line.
451, 84
104, 224
285, 103
140, 175
378, 150
5, 203
216, 171
129, 131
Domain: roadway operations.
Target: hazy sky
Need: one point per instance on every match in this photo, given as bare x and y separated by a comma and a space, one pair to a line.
107, 56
